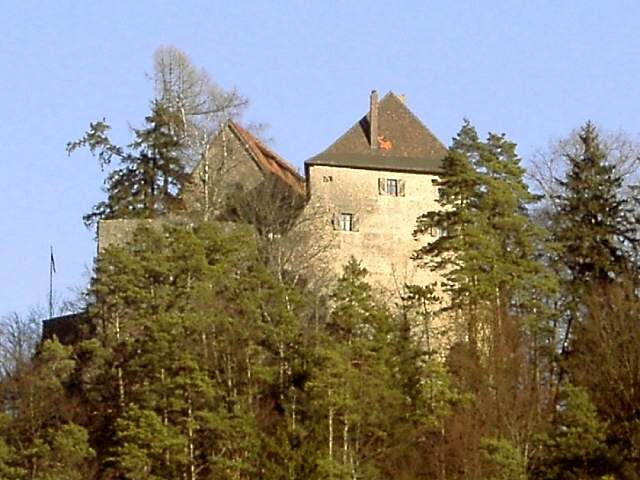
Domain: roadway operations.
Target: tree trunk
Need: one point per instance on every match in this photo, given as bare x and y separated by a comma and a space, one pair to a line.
330, 428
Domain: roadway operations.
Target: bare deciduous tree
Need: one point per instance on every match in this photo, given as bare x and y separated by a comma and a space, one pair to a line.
201, 104
19, 338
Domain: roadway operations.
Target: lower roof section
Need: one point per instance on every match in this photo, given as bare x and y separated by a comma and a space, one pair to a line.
377, 162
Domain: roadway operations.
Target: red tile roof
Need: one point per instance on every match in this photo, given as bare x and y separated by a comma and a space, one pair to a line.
268, 160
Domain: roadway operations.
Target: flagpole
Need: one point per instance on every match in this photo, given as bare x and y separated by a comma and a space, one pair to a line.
51, 267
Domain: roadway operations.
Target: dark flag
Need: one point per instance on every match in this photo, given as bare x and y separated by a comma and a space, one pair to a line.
52, 270
53, 262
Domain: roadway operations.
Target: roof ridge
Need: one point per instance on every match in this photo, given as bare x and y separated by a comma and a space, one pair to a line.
261, 153
260, 144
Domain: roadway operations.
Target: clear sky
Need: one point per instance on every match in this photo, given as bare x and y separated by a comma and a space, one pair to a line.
532, 69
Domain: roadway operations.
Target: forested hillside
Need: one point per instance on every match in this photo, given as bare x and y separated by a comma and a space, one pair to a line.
202, 359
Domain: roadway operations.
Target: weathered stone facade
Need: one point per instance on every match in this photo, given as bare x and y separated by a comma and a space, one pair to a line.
118, 231
364, 193
366, 190
381, 235
236, 163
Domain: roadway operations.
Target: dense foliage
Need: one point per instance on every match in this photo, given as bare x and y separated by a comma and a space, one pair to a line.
201, 359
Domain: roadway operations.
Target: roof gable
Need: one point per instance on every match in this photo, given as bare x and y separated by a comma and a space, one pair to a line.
403, 142
267, 160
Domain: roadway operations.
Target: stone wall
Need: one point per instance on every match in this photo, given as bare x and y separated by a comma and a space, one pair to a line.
118, 232
382, 238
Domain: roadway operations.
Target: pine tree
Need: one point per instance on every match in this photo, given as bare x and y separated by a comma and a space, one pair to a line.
198, 342
151, 170
39, 436
458, 188
496, 288
488, 251
574, 449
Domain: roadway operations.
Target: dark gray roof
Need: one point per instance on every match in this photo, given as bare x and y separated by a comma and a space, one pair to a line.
413, 147
378, 162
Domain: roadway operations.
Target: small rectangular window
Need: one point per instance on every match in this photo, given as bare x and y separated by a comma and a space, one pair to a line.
346, 222
392, 187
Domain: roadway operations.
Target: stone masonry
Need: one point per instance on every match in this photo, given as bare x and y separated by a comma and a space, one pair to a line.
382, 224
364, 192
367, 189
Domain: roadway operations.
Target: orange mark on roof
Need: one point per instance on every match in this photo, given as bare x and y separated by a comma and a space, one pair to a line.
384, 143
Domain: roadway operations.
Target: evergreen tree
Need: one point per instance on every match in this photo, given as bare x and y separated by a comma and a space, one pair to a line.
150, 173
40, 436
574, 449
352, 384
197, 345
488, 251
454, 224
594, 225
495, 288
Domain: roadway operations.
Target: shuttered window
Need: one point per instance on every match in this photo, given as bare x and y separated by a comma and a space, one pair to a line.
392, 187
346, 222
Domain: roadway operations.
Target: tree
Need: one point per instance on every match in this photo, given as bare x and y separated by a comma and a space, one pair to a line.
377, 401
574, 449
488, 251
19, 337
198, 346
496, 286
39, 441
150, 174
188, 109
547, 166
594, 225
354, 369
201, 105
604, 360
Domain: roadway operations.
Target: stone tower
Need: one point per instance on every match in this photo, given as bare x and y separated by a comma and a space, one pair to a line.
367, 189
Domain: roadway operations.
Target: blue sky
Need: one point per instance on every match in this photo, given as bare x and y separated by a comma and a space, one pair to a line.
534, 70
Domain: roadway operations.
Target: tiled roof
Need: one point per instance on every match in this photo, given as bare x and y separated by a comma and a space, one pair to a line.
269, 161
403, 143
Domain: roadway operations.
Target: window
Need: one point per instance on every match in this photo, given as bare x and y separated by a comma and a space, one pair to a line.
346, 222
393, 187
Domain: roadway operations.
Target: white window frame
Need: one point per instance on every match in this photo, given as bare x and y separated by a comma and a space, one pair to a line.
346, 221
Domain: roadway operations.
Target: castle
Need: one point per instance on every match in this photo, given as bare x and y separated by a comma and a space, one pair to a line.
370, 186
361, 195
359, 198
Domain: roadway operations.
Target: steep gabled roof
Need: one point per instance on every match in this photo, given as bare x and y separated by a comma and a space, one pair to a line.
404, 143
267, 160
